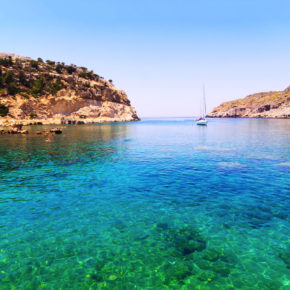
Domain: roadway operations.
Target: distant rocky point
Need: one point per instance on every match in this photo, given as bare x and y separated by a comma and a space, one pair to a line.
261, 105
39, 92
13, 56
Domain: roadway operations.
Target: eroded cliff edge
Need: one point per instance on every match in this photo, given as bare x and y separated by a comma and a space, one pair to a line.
33, 91
261, 105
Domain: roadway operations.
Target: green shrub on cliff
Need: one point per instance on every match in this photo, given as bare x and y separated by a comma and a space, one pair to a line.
7, 61
34, 64
59, 68
3, 110
32, 115
22, 79
56, 86
88, 75
38, 85
83, 74
1, 80
8, 77
70, 69
24, 95
12, 89
50, 62
8, 81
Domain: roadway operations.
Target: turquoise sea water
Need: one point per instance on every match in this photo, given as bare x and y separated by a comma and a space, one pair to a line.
157, 204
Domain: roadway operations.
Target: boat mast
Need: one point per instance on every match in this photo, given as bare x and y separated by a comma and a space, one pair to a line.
204, 105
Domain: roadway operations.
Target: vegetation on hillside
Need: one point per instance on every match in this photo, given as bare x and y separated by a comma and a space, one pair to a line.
34, 78
3, 110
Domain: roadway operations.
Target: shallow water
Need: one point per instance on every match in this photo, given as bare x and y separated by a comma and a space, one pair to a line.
157, 204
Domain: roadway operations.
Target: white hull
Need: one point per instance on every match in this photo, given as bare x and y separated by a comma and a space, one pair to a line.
201, 122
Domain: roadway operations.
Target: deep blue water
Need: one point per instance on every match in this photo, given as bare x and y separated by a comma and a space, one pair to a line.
156, 204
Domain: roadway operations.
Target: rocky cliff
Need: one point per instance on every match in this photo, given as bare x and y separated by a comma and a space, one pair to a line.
261, 105
34, 91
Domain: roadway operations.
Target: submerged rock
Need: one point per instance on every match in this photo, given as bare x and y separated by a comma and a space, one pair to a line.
56, 130
177, 271
203, 264
212, 255
162, 226
185, 241
285, 257
221, 268
207, 276
97, 277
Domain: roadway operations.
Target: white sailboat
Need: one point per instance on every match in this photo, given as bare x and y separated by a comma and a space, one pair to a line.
202, 121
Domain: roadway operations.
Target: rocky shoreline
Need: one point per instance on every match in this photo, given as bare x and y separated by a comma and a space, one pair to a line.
272, 105
17, 129
63, 121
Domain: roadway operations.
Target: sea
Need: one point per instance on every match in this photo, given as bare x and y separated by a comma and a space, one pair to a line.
156, 204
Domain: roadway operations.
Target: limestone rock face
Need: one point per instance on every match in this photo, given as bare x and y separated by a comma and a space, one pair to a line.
261, 105
53, 109
53, 92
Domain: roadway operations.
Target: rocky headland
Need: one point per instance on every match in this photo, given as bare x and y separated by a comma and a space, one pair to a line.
261, 105
38, 92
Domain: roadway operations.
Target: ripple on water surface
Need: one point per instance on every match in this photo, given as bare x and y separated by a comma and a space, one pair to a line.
148, 205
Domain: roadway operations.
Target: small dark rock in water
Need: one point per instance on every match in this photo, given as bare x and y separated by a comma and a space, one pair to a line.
191, 246
23, 132
226, 225
203, 264
18, 127
142, 237
177, 271
68, 251
56, 130
285, 257
120, 225
221, 268
206, 276
13, 131
212, 255
163, 226
186, 241
97, 277
229, 257
199, 245
188, 250
271, 285
38, 132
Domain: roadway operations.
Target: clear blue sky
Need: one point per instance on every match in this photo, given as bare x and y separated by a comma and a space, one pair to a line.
160, 52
